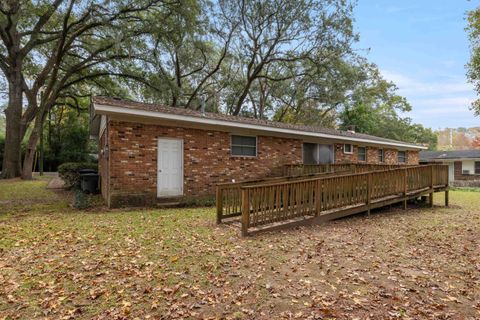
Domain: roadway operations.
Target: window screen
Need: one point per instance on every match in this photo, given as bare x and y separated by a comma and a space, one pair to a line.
310, 153
402, 156
362, 154
244, 146
380, 155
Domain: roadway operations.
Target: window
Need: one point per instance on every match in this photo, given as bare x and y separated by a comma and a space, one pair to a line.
362, 154
477, 167
310, 153
244, 146
380, 155
317, 153
402, 157
347, 148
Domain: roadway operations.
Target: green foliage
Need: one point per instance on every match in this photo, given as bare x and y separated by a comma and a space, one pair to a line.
473, 67
2, 125
67, 138
69, 171
80, 200
289, 61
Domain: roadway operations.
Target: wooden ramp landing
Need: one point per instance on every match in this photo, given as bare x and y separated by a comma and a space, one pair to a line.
326, 197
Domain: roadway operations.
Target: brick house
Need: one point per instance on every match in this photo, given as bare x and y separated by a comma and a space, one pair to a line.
463, 165
149, 152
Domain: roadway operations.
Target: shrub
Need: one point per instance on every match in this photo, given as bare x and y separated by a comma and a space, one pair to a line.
69, 172
81, 200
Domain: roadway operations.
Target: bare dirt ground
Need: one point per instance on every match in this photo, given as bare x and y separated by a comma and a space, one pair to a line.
60, 263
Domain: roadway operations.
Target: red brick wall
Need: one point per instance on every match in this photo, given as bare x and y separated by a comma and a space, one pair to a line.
207, 159
390, 156
129, 175
372, 155
342, 157
413, 157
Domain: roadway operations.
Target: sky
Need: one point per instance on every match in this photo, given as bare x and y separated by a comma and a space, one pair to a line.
422, 46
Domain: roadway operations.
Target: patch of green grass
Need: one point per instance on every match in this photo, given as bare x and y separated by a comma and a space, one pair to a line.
58, 262
18, 190
19, 198
467, 189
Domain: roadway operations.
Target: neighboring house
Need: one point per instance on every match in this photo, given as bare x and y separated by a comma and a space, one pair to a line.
147, 152
463, 165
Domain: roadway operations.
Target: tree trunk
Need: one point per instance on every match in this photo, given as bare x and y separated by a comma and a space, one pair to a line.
27, 172
11, 166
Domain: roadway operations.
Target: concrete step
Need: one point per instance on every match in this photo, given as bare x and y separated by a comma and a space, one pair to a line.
170, 202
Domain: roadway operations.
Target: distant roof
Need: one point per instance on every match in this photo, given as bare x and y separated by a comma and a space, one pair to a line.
99, 101
452, 155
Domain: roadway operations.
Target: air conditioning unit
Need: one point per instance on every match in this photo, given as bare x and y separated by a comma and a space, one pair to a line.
465, 171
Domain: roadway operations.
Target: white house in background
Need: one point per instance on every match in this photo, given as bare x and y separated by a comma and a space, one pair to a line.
463, 165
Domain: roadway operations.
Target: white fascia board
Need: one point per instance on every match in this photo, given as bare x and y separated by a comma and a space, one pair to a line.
454, 159
103, 125
105, 109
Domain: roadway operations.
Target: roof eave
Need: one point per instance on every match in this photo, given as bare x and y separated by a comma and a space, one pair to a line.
450, 159
94, 123
116, 110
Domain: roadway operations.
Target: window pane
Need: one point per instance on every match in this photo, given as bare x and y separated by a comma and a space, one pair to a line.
244, 146
243, 151
347, 148
401, 156
248, 151
309, 153
325, 154
477, 167
380, 155
362, 154
244, 141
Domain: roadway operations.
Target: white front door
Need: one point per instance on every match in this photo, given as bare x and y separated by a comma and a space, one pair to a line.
170, 168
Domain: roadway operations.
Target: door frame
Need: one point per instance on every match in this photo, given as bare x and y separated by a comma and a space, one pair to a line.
181, 168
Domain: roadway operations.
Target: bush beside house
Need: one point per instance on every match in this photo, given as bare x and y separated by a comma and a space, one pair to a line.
69, 171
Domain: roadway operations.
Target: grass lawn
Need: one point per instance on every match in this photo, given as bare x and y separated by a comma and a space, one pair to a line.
61, 263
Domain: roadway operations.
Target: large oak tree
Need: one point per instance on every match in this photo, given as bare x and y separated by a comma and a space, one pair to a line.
48, 48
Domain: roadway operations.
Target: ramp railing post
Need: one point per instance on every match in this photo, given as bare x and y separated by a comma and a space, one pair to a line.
369, 191
219, 203
245, 212
405, 183
430, 198
318, 197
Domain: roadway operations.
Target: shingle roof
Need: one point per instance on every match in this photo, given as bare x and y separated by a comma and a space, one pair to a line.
456, 154
237, 119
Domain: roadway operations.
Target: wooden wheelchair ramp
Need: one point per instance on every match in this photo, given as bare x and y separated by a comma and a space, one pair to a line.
325, 196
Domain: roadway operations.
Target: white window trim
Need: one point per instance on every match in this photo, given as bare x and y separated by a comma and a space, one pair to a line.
351, 148
243, 156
